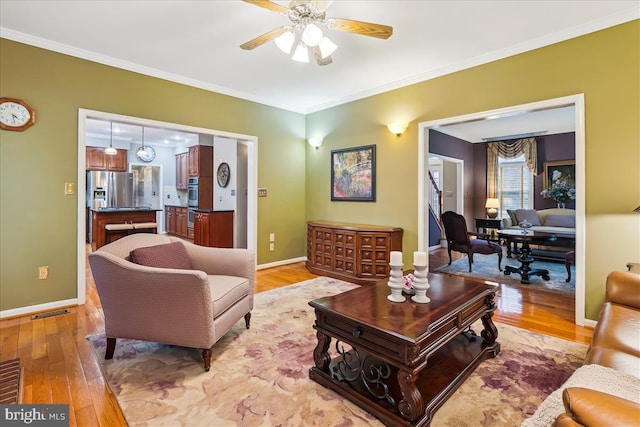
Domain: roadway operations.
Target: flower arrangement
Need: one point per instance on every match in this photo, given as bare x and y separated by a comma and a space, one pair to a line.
408, 284
560, 192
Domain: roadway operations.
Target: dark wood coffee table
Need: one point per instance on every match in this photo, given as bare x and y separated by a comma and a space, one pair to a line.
525, 258
402, 361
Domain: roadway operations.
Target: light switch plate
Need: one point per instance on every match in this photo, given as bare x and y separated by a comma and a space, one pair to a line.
69, 188
262, 192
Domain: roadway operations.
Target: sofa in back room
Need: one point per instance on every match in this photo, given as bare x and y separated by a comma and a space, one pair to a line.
558, 221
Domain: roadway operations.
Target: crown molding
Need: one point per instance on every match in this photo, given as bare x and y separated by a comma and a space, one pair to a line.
549, 39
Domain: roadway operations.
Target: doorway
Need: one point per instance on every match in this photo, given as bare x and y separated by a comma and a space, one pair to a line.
248, 147
574, 100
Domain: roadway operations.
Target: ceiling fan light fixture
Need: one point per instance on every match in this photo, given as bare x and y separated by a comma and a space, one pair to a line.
301, 54
311, 35
285, 42
327, 47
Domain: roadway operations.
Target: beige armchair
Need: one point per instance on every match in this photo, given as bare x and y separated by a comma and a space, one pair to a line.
192, 304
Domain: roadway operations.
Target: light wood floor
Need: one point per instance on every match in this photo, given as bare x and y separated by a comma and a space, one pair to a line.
60, 366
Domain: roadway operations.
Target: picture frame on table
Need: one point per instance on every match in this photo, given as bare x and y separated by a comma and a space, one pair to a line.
353, 174
564, 170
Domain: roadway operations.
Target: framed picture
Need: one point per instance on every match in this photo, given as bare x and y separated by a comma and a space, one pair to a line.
563, 170
353, 174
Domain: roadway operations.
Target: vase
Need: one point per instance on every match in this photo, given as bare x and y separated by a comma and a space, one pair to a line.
561, 205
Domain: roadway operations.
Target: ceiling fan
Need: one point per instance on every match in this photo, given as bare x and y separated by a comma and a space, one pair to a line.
308, 17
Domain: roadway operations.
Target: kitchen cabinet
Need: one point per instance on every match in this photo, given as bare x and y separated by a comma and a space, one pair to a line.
182, 168
181, 222
176, 220
170, 219
213, 229
97, 160
353, 252
200, 161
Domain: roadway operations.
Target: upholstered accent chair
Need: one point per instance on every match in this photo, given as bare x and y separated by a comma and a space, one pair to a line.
167, 290
459, 239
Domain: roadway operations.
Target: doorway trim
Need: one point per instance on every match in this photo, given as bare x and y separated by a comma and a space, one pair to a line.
578, 102
250, 141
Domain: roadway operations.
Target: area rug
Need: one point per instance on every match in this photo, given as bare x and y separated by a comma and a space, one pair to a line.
259, 376
485, 267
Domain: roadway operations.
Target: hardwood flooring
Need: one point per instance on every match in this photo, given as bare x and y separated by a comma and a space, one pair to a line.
60, 366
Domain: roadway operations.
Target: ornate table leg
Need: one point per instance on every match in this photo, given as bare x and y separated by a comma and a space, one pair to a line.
321, 352
412, 405
490, 332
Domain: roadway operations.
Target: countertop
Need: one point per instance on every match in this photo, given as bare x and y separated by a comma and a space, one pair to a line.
125, 209
209, 210
171, 205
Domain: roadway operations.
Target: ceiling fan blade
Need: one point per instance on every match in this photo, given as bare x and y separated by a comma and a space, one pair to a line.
275, 7
319, 59
252, 44
359, 27
321, 5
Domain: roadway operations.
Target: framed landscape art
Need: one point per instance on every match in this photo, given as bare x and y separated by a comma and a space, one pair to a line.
353, 174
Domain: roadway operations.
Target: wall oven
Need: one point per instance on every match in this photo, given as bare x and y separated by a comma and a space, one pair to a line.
192, 188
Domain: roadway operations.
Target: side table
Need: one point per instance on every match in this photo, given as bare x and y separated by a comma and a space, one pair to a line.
492, 224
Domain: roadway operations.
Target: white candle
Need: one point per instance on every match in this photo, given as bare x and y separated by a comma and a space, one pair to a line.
420, 258
395, 258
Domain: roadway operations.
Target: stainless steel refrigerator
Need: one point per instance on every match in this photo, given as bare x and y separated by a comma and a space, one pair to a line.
109, 189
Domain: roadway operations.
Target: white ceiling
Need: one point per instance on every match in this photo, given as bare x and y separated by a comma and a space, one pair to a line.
197, 42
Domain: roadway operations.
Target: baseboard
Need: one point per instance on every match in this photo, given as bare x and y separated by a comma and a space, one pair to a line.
32, 309
280, 263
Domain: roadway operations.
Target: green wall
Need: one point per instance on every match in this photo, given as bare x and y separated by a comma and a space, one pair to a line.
605, 66
38, 223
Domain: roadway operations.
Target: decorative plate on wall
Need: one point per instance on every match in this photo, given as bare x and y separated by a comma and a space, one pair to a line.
224, 173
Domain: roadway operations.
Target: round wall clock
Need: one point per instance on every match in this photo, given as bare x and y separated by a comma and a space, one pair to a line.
223, 174
146, 154
15, 114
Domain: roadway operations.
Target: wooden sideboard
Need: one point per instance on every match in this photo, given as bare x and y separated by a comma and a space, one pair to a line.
355, 253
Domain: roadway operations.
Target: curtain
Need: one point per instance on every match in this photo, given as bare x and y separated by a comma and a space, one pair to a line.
526, 146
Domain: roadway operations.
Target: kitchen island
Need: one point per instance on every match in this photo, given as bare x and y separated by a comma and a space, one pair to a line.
102, 216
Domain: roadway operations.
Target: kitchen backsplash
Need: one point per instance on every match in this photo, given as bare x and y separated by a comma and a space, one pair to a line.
175, 197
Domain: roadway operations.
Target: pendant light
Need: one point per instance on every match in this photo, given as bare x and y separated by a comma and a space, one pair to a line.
142, 151
110, 150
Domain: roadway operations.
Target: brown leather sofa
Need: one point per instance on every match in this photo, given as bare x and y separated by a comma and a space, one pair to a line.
615, 344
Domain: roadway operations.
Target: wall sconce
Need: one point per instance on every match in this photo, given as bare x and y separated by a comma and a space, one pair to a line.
397, 128
315, 142
492, 207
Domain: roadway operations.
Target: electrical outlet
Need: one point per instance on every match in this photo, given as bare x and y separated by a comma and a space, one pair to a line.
272, 247
272, 237
43, 272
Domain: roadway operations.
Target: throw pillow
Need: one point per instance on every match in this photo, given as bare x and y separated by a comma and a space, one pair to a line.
168, 255
528, 214
568, 221
512, 216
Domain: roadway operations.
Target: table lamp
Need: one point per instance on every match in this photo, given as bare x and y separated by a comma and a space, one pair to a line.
492, 207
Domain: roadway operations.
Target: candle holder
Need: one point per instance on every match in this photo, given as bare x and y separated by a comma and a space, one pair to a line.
420, 284
396, 284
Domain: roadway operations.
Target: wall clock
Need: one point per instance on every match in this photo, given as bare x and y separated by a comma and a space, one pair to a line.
146, 154
16, 115
223, 174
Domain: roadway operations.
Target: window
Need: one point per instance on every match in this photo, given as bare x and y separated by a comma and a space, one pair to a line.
515, 185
